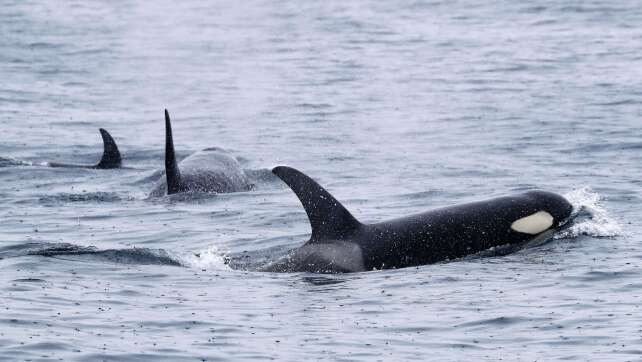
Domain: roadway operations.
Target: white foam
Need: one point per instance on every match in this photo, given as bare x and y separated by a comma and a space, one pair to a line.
209, 259
599, 224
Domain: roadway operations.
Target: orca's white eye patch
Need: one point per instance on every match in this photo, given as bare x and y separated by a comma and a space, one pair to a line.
533, 224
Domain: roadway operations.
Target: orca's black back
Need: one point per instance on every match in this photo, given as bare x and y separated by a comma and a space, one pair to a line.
449, 233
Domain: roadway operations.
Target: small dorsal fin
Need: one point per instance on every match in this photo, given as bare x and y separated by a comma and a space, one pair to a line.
111, 155
171, 167
328, 218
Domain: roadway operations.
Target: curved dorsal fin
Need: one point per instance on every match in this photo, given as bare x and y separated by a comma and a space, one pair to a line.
171, 167
111, 155
328, 218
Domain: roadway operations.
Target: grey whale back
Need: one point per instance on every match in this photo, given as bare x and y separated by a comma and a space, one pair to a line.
208, 171
211, 170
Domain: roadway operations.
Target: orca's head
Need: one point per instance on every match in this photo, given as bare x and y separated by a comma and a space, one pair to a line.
553, 211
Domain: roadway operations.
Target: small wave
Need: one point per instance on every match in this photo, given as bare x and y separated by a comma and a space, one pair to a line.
600, 275
133, 256
590, 8
322, 280
83, 197
9, 162
44, 45
599, 223
306, 105
621, 102
497, 322
29, 280
210, 258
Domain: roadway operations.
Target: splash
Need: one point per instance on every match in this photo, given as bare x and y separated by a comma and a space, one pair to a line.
211, 259
592, 218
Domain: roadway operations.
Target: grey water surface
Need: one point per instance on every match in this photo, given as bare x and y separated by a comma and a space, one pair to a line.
395, 106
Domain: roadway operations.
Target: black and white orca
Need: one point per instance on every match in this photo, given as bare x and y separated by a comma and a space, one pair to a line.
211, 170
110, 159
339, 243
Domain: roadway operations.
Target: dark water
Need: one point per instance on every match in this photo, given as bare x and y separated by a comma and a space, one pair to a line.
395, 107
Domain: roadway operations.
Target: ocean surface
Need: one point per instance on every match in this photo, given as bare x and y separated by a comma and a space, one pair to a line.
395, 107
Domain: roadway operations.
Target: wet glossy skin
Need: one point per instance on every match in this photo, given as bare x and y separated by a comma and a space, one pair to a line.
342, 244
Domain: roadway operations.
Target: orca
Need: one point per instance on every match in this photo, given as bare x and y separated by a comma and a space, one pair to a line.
110, 159
211, 170
340, 244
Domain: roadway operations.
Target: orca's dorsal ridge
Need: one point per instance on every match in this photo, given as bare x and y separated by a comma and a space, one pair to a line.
329, 220
171, 166
111, 156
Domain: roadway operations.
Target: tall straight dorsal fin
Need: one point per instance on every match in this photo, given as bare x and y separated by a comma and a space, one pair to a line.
171, 167
111, 155
328, 218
